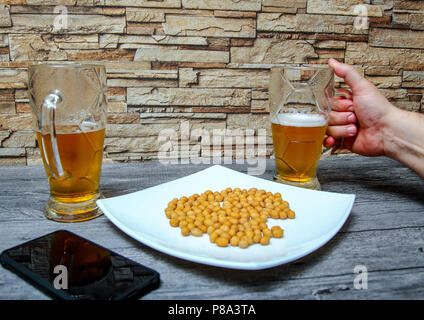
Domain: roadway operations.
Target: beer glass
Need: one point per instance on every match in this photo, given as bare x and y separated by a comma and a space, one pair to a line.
300, 103
69, 105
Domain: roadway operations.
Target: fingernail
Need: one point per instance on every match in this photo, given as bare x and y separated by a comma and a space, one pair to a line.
350, 108
351, 118
351, 130
333, 61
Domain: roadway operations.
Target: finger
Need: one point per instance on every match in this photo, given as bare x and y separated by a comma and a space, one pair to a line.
341, 97
347, 94
329, 142
342, 104
343, 131
337, 144
341, 118
347, 72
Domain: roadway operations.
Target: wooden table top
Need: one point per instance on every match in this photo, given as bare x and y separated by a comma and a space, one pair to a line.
384, 234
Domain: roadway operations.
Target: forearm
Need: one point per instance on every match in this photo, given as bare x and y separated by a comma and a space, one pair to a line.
404, 139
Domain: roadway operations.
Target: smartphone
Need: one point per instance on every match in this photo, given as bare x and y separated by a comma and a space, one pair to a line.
67, 266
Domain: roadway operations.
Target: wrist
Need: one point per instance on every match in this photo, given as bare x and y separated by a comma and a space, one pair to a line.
391, 145
403, 138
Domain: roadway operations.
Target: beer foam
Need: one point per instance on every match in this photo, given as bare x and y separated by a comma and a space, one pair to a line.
300, 120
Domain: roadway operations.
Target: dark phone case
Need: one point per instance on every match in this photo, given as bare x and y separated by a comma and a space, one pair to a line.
47, 287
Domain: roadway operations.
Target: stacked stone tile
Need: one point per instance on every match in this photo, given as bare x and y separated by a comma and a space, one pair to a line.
201, 62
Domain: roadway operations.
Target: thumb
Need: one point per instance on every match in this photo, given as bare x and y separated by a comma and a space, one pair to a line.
347, 72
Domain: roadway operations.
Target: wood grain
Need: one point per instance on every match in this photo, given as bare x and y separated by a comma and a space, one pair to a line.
383, 233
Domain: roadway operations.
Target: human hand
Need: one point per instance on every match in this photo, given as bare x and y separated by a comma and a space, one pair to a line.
358, 118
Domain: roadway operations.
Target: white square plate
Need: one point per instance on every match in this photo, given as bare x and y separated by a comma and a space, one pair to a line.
319, 216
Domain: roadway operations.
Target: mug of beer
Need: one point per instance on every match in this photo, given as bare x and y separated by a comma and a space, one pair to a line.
69, 105
300, 103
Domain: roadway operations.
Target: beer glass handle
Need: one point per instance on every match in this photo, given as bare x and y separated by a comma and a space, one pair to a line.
48, 109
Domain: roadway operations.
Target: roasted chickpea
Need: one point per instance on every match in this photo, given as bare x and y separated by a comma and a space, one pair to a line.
265, 240
234, 241
237, 217
277, 232
222, 242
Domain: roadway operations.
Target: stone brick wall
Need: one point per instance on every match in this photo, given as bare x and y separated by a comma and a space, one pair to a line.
198, 64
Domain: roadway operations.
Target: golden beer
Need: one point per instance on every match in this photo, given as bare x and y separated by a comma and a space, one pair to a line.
297, 142
81, 156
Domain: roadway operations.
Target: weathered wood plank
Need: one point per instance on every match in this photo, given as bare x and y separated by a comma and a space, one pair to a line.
373, 188
384, 233
327, 273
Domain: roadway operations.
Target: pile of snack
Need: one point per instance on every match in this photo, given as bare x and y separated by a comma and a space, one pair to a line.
233, 216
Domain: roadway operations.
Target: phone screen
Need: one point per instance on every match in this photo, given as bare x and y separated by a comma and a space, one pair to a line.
71, 267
